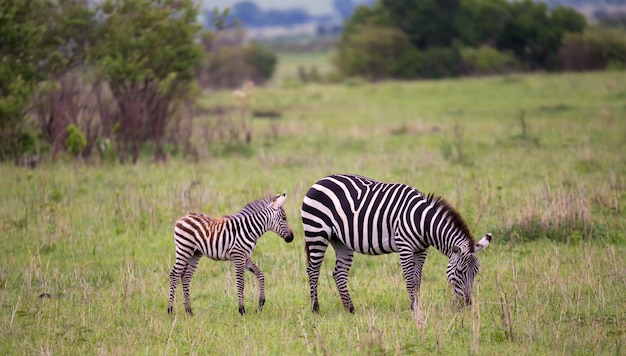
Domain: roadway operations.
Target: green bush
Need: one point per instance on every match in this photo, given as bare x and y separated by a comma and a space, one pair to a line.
596, 48
438, 63
76, 141
375, 52
487, 60
231, 66
262, 62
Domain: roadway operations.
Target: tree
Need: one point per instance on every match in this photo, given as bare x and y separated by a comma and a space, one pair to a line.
147, 51
23, 27
534, 33
376, 52
428, 23
479, 22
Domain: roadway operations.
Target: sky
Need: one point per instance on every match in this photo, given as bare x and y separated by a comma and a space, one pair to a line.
314, 7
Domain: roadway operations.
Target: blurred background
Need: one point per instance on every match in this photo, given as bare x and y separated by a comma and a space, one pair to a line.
114, 78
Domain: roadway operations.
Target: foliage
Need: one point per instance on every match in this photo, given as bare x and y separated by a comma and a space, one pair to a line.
23, 46
480, 21
534, 36
262, 61
375, 52
438, 29
76, 141
147, 51
596, 48
428, 23
438, 63
230, 66
487, 60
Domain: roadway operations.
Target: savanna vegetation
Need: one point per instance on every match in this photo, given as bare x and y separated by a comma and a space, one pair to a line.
436, 39
535, 159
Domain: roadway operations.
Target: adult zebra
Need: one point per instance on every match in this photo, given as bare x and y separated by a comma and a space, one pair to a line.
231, 238
355, 213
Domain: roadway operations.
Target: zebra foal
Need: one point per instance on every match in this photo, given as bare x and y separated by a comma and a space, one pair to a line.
359, 214
228, 238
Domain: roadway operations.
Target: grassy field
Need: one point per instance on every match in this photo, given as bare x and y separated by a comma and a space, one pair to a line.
538, 160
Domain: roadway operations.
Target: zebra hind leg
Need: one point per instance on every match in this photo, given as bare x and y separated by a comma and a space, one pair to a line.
191, 268
315, 255
252, 267
340, 274
177, 271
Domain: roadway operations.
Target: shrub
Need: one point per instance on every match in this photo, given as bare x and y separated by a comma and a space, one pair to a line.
596, 48
437, 63
76, 141
487, 60
375, 52
232, 65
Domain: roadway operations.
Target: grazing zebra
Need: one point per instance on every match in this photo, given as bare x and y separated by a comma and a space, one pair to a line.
231, 238
359, 214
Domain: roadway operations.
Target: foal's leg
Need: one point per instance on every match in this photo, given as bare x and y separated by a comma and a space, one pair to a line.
240, 262
191, 267
252, 267
179, 267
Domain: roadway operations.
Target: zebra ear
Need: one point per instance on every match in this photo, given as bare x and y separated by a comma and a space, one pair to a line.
456, 249
484, 242
279, 200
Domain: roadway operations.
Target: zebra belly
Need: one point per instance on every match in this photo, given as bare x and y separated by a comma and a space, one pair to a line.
375, 242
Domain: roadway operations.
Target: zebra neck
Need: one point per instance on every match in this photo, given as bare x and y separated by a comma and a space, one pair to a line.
252, 225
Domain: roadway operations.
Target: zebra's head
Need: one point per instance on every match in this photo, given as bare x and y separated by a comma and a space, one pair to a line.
463, 268
278, 219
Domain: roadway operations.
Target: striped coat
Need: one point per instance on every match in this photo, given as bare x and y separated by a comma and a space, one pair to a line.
359, 214
228, 238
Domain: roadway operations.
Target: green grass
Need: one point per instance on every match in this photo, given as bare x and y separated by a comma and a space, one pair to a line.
98, 238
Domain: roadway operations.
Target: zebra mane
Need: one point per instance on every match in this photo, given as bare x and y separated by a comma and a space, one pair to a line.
254, 207
453, 215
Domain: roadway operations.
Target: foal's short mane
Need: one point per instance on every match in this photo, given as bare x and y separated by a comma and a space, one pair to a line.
454, 215
248, 209
254, 206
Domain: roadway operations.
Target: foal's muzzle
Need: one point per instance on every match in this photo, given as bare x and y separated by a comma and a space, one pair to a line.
289, 237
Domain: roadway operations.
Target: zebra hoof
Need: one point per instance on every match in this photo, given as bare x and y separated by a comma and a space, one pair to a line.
261, 304
170, 310
350, 309
189, 311
316, 308
242, 310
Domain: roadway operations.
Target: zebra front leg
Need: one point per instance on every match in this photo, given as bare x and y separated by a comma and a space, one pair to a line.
252, 267
191, 267
418, 260
340, 274
240, 263
407, 262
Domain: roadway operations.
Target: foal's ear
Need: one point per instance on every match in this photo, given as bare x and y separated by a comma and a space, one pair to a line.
484, 242
279, 200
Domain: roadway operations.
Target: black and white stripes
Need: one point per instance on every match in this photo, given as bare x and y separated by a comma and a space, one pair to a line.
231, 238
359, 214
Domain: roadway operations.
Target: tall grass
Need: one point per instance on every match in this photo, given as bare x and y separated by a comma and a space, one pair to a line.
87, 250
